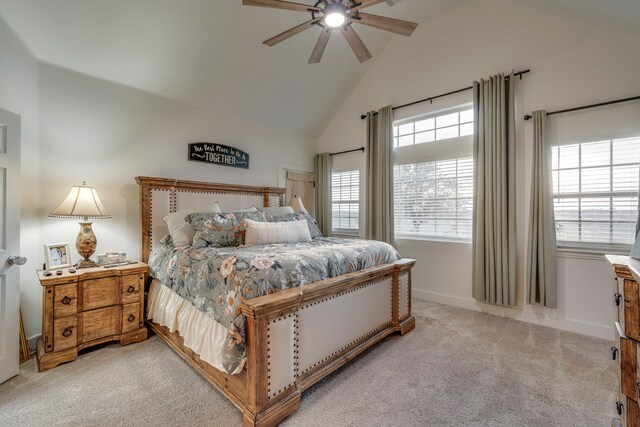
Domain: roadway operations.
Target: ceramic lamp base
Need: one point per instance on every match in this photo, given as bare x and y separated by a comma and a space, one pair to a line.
86, 245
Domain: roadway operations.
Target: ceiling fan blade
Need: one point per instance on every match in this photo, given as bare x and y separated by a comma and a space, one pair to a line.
358, 47
318, 51
281, 4
365, 3
397, 26
290, 33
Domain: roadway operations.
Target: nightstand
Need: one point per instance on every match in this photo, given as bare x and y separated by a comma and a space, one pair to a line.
90, 307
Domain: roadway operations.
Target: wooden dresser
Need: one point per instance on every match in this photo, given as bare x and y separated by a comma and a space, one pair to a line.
89, 307
626, 352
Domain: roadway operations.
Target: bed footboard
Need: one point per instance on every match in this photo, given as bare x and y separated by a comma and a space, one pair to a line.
296, 338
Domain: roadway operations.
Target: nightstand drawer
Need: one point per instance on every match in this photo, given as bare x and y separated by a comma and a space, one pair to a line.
65, 333
100, 323
131, 320
131, 286
99, 293
65, 300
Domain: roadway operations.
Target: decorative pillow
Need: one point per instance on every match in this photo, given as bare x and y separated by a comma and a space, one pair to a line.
277, 211
179, 229
224, 229
314, 231
263, 233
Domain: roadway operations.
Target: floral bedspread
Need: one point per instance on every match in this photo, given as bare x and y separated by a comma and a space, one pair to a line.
217, 280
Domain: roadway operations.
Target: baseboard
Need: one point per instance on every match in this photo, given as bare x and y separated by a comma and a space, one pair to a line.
577, 326
32, 342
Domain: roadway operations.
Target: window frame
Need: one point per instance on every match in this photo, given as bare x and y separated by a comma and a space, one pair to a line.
587, 246
347, 231
459, 148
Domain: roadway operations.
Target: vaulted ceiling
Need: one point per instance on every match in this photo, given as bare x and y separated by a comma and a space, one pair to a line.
208, 53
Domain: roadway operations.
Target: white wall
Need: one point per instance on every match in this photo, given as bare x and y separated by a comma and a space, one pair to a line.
19, 94
572, 64
107, 134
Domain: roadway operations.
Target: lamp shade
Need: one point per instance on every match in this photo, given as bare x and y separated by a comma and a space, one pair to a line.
82, 202
296, 204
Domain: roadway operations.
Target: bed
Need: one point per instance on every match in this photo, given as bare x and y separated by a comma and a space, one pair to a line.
292, 337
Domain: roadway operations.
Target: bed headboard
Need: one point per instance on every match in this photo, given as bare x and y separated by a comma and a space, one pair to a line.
161, 196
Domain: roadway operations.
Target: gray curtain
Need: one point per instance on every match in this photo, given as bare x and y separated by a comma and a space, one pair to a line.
322, 162
494, 203
542, 254
379, 212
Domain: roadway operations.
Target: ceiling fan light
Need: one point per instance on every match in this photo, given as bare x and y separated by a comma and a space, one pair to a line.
335, 19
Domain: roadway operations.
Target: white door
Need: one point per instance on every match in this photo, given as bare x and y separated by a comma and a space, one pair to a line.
10, 260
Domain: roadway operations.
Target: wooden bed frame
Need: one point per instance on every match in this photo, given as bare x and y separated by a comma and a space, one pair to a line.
296, 337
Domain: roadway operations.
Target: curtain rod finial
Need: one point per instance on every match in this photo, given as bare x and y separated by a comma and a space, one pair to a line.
527, 117
364, 116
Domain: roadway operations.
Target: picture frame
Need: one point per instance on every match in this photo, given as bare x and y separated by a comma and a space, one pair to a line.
57, 256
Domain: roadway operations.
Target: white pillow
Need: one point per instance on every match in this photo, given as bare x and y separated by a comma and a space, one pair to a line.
277, 211
249, 209
179, 229
263, 233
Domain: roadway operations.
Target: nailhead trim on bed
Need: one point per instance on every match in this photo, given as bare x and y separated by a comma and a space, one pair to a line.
357, 340
400, 276
271, 395
151, 213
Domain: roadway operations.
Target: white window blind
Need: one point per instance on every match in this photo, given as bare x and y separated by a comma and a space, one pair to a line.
434, 199
345, 200
595, 187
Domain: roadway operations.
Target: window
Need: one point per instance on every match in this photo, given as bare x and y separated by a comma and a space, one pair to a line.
434, 199
434, 128
595, 188
433, 175
345, 200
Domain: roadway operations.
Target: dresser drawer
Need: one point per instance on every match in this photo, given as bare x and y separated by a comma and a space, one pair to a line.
626, 354
131, 319
627, 299
99, 293
131, 286
100, 323
65, 300
65, 333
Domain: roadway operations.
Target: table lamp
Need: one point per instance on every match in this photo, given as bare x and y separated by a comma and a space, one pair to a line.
82, 203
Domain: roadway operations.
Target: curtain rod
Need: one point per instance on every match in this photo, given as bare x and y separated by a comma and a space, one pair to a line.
600, 104
345, 152
431, 98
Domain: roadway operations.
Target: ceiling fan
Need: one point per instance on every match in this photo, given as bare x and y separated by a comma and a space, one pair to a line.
336, 15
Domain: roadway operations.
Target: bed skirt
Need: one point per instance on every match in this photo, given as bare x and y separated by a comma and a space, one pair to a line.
201, 333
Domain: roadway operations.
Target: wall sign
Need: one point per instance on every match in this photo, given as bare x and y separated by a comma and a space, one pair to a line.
218, 154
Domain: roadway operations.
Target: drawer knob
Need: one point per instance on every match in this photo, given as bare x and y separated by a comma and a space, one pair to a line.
131, 289
618, 298
619, 407
131, 318
614, 353
67, 332
66, 300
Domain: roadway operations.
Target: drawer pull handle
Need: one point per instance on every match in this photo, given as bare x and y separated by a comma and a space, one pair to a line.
67, 332
638, 387
619, 407
131, 289
66, 300
614, 352
131, 318
618, 298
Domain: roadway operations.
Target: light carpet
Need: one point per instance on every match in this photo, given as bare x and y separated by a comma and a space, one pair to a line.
457, 368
